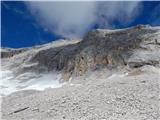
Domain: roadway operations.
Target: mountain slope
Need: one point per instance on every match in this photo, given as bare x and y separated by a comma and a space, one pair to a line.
110, 74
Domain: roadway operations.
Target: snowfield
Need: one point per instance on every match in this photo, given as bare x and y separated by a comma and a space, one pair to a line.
27, 81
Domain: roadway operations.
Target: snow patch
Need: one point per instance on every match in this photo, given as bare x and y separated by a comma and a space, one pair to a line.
117, 76
9, 83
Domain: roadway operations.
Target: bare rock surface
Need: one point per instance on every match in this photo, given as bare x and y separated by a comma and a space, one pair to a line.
134, 47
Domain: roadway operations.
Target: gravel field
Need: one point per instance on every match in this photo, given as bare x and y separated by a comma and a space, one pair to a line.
131, 95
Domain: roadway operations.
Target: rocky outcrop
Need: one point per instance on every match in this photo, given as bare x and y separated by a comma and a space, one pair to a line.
132, 47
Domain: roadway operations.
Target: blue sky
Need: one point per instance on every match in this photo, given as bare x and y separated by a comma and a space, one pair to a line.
25, 24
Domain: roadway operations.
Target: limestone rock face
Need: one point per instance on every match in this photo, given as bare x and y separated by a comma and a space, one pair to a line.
132, 47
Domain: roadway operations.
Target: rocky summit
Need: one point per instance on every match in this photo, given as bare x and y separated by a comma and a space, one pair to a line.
108, 75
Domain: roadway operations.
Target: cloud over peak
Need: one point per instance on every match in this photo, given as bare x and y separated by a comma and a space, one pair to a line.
73, 19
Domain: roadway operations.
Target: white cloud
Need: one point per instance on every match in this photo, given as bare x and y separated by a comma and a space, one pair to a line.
73, 19
122, 12
69, 19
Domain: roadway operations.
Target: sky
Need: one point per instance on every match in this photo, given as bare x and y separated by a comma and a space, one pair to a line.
28, 23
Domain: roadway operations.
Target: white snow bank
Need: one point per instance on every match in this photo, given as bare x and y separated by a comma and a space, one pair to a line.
10, 84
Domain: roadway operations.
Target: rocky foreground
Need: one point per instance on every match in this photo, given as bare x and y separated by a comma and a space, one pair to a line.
110, 74
99, 96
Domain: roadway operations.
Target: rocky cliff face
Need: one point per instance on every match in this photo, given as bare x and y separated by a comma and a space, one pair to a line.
132, 47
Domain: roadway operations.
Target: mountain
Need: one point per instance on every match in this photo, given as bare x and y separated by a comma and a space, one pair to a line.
109, 74
132, 47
